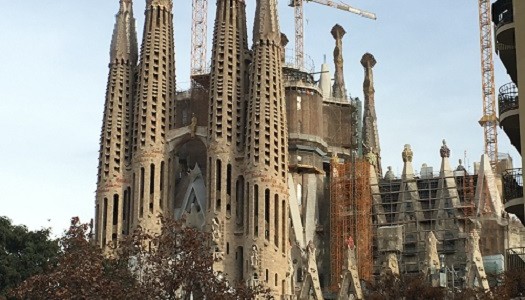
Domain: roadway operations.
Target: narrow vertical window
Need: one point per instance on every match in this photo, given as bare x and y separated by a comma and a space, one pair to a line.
276, 220
161, 203
161, 176
141, 192
151, 187
239, 208
283, 224
115, 209
125, 207
98, 223
218, 181
132, 197
218, 175
256, 210
128, 209
229, 179
104, 221
248, 215
267, 214
152, 179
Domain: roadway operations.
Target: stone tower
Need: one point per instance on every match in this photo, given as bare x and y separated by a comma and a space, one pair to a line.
112, 196
266, 157
339, 90
153, 115
226, 135
371, 148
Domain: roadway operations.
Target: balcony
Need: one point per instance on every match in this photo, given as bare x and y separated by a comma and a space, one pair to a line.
503, 19
513, 192
509, 117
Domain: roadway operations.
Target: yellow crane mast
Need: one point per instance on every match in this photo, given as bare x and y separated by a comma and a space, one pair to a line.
489, 120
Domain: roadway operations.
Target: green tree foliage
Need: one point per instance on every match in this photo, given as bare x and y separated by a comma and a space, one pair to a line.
24, 253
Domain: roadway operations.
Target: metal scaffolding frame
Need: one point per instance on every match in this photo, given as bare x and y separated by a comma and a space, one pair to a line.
350, 217
421, 216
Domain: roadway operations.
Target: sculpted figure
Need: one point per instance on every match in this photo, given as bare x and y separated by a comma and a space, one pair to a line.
389, 175
371, 157
407, 154
215, 230
193, 125
461, 167
255, 257
444, 151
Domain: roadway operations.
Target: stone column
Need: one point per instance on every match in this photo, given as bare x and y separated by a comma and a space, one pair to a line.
371, 147
339, 89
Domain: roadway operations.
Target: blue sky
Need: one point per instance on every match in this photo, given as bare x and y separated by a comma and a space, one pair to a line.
53, 71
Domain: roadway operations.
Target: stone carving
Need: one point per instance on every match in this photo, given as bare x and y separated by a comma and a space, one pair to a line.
475, 268
444, 151
432, 258
193, 125
390, 265
350, 243
165, 3
389, 175
339, 89
215, 230
218, 255
461, 167
254, 259
371, 157
407, 154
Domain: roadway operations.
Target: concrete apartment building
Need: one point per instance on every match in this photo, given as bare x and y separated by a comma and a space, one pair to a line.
304, 209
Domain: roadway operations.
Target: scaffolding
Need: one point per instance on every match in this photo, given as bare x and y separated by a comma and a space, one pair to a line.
422, 205
350, 217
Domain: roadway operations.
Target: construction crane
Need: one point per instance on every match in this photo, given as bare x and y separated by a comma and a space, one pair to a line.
489, 120
199, 31
299, 24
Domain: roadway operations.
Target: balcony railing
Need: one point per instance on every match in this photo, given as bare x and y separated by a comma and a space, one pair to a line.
508, 98
515, 258
502, 12
512, 184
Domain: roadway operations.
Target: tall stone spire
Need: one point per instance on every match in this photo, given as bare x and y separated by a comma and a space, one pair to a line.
226, 134
153, 115
266, 23
339, 89
266, 158
111, 217
124, 41
371, 147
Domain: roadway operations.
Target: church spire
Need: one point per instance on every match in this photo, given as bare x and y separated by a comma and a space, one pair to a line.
266, 24
115, 151
266, 154
124, 40
229, 66
153, 115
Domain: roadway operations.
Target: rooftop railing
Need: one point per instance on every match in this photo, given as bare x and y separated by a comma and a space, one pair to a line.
512, 184
508, 97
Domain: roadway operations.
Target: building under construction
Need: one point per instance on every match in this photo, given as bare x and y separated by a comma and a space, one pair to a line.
283, 169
